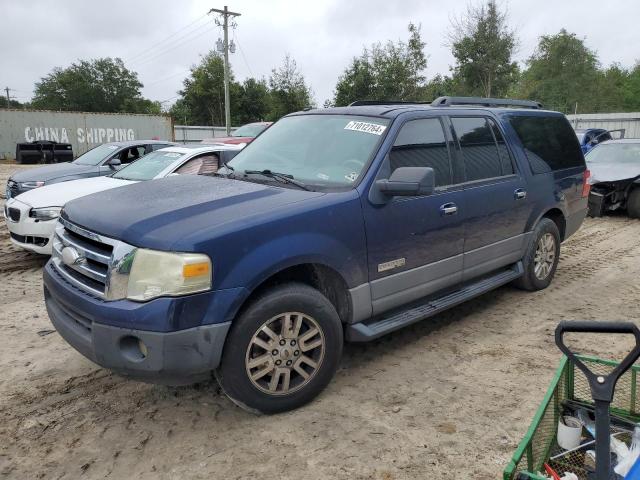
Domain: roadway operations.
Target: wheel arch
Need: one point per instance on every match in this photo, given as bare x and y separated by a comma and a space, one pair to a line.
322, 277
558, 217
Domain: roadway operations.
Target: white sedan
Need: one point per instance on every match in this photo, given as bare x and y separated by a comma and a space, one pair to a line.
31, 217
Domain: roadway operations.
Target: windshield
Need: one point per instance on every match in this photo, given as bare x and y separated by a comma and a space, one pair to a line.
628, 153
148, 167
249, 131
328, 150
580, 136
96, 155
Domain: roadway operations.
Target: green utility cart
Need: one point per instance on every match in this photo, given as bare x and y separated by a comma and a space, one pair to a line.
570, 384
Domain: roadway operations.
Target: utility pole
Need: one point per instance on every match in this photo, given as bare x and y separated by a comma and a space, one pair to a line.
225, 26
6, 89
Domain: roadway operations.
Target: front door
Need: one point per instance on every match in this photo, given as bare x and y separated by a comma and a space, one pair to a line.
415, 244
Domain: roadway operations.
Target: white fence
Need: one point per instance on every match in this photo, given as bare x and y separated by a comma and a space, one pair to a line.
187, 134
611, 121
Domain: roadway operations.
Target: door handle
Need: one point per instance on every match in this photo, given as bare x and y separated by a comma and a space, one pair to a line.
520, 193
448, 209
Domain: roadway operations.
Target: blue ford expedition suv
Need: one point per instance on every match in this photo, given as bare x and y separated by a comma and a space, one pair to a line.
334, 224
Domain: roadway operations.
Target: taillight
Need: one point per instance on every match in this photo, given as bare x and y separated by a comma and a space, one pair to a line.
586, 187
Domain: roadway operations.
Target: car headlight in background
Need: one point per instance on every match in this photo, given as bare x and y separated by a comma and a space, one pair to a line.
46, 213
32, 184
155, 273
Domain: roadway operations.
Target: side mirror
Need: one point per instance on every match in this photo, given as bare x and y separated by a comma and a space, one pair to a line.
408, 182
114, 162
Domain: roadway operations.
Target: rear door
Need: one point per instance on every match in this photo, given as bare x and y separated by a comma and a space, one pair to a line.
496, 199
415, 243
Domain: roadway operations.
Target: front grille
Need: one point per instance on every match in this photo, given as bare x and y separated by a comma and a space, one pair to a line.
29, 239
88, 263
13, 214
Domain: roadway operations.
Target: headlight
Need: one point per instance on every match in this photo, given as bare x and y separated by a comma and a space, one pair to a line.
32, 184
46, 213
155, 273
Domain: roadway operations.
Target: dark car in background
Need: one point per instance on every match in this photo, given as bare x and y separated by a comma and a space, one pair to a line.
615, 177
101, 160
590, 137
244, 134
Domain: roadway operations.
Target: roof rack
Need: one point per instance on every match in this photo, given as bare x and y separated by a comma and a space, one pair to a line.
485, 102
360, 103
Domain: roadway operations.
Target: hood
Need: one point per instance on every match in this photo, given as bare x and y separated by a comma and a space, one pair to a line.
58, 194
182, 208
50, 172
611, 171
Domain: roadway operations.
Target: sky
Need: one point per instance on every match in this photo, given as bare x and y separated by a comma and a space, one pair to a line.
161, 39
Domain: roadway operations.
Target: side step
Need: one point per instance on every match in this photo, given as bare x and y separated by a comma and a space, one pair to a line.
363, 331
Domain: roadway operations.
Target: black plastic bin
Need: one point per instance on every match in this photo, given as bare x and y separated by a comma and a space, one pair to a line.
43, 151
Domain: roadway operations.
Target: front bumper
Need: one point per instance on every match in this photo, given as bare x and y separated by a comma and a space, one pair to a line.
175, 358
29, 233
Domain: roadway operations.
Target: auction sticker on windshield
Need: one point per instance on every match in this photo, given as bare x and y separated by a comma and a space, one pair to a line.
365, 127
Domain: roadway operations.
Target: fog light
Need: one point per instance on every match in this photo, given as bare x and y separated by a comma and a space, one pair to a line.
143, 348
133, 349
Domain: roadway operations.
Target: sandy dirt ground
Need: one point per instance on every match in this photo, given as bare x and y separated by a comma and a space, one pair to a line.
449, 398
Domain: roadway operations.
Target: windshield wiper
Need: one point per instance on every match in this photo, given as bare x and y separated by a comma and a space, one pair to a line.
282, 177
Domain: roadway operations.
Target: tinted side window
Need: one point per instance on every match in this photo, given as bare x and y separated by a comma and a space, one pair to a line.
479, 151
549, 142
505, 159
421, 143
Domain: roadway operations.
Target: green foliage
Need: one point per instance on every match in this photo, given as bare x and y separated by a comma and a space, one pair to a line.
561, 72
201, 100
253, 102
99, 85
483, 47
289, 91
390, 71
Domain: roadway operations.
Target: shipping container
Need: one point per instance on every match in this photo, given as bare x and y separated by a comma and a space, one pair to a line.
81, 129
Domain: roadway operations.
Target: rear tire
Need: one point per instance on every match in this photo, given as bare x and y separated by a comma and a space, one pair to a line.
282, 351
541, 258
633, 203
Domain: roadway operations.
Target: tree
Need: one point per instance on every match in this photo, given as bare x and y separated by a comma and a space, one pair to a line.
390, 71
99, 85
253, 103
202, 98
356, 83
562, 72
483, 46
289, 91
631, 90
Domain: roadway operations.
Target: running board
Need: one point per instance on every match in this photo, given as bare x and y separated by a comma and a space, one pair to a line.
370, 330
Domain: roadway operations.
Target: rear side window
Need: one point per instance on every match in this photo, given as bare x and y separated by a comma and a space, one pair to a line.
479, 149
549, 142
421, 143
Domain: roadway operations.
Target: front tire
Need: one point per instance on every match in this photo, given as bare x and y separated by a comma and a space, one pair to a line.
541, 258
282, 351
633, 203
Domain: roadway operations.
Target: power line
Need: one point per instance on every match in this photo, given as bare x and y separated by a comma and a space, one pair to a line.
167, 77
157, 55
155, 45
235, 37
